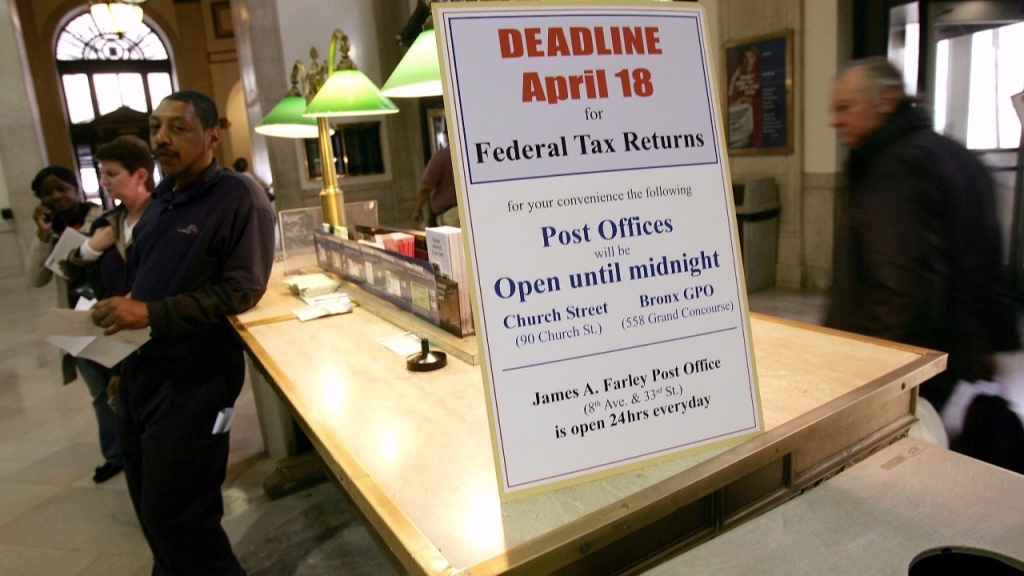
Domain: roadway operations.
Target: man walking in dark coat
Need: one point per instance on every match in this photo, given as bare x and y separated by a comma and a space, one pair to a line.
203, 250
918, 258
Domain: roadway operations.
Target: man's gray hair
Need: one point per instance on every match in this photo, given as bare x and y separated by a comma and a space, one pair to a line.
880, 75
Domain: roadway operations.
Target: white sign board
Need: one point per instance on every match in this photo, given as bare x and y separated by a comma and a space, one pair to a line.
601, 231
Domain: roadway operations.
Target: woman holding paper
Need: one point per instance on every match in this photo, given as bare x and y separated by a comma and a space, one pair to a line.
97, 270
60, 207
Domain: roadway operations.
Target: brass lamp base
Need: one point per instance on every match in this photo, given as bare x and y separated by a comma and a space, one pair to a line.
331, 199
331, 202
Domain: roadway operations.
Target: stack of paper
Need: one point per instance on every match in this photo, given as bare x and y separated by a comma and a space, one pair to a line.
438, 251
326, 305
398, 242
406, 243
445, 250
309, 285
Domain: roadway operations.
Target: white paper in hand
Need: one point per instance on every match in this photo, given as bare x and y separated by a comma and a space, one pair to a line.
85, 303
74, 332
70, 240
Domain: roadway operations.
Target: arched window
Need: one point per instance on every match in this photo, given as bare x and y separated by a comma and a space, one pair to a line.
111, 83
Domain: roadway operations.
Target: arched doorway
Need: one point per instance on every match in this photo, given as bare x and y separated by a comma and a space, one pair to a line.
111, 82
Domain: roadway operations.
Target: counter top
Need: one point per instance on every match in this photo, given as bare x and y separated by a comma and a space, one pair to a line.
413, 450
909, 500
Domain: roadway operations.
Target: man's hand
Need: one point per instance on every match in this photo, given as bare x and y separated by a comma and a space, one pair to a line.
102, 239
422, 197
120, 313
44, 224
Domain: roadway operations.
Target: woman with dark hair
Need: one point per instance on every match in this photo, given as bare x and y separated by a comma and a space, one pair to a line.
97, 270
61, 207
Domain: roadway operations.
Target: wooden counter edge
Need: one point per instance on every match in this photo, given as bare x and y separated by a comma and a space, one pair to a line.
848, 335
567, 544
406, 542
574, 541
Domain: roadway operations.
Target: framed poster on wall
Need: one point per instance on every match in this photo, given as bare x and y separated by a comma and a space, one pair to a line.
759, 94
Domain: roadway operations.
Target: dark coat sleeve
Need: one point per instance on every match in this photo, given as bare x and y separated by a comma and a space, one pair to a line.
904, 270
931, 262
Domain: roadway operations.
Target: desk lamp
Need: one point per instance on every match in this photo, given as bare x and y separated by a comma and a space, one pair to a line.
285, 119
419, 72
345, 92
331, 92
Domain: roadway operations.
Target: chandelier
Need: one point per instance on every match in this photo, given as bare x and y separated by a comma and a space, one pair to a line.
116, 17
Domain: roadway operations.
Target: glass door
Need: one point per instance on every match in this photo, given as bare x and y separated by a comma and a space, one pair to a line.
971, 65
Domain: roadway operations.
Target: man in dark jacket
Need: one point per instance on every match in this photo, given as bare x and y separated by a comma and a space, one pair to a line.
203, 250
918, 258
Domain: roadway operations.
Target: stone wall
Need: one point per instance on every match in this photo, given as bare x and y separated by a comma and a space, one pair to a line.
808, 177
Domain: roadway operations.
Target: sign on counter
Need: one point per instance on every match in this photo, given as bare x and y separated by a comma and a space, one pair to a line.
594, 188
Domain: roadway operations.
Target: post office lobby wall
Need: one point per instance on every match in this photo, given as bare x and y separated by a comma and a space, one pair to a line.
35, 132
20, 147
807, 178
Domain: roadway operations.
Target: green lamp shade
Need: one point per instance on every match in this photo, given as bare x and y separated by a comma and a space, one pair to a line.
349, 93
419, 73
286, 120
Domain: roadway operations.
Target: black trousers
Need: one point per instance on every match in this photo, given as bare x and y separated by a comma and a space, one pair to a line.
174, 465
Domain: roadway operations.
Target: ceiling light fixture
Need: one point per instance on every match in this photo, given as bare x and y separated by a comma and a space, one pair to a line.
116, 17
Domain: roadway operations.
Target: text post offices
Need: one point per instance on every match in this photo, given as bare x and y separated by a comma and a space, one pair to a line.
601, 232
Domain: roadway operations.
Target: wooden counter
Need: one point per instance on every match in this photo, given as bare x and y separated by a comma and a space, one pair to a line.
413, 451
909, 500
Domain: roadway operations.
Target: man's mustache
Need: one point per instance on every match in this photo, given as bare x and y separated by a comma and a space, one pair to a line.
163, 152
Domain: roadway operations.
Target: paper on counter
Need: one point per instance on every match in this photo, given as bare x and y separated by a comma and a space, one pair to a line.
315, 284
324, 306
326, 298
74, 332
402, 344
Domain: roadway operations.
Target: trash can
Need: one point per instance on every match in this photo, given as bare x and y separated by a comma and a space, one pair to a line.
757, 215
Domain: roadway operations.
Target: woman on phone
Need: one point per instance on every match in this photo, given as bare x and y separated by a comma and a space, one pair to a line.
60, 207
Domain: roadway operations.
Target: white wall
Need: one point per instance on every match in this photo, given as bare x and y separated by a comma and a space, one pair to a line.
300, 31
821, 60
5, 197
711, 10
21, 155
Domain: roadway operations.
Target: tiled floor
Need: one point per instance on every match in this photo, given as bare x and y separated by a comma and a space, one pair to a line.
54, 520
